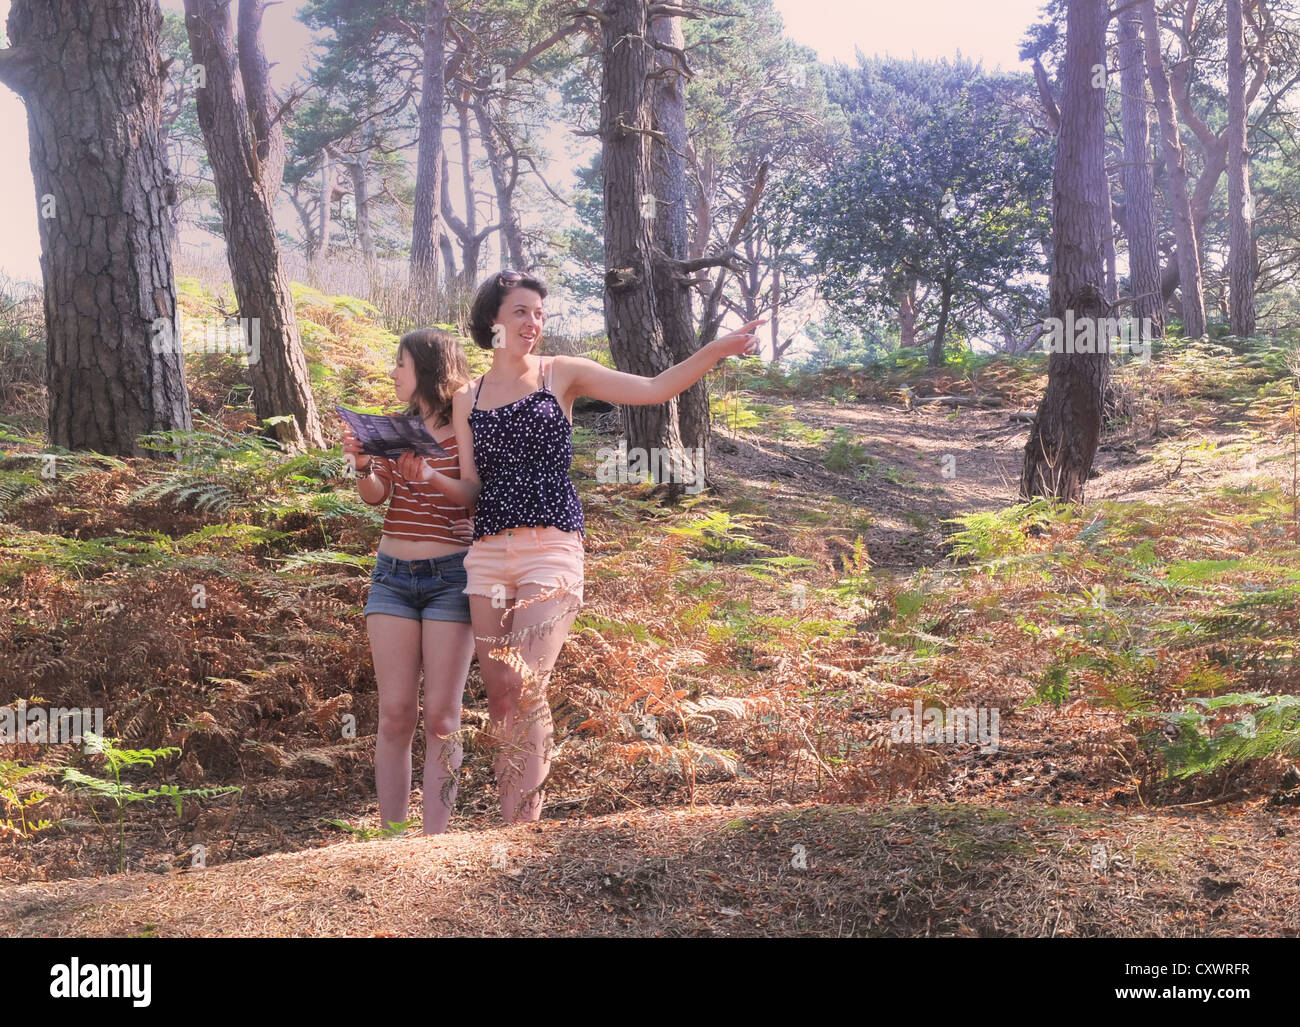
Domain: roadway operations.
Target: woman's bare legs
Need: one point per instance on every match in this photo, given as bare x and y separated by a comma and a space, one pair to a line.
395, 649
521, 716
448, 650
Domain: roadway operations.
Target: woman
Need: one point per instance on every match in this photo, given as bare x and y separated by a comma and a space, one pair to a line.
417, 613
514, 435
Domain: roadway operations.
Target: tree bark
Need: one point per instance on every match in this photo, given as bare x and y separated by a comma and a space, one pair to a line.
673, 292
1063, 441
1241, 265
428, 174
324, 222
907, 315
776, 309
636, 336
1189, 260
359, 173
247, 169
1139, 180
467, 232
504, 182
941, 331
92, 85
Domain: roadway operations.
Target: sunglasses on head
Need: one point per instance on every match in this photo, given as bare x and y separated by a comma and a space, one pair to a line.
508, 276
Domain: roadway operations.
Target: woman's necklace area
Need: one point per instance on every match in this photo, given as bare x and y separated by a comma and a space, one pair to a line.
514, 381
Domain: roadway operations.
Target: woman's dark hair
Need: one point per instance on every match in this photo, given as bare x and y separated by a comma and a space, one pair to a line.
487, 302
440, 369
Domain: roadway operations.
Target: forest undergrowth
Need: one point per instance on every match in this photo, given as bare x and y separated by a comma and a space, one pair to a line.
736, 648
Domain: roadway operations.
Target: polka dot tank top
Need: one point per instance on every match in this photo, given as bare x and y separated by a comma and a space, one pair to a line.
523, 452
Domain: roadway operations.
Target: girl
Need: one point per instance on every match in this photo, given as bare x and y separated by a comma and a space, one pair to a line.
513, 431
417, 613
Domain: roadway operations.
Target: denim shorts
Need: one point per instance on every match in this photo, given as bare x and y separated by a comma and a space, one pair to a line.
431, 589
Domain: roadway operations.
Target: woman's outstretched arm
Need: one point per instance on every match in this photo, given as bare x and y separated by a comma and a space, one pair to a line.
588, 378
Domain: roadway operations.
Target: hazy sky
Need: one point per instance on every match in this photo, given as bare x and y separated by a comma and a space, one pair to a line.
988, 30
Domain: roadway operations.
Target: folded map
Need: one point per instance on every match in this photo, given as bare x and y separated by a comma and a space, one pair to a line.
390, 437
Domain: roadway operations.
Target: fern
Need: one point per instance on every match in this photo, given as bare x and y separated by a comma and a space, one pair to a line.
117, 758
319, 557
720, 533
245, 535
1205, 742
206, 447
998, 533
394, 829
11, 772
207, 496
15, 485
844, 456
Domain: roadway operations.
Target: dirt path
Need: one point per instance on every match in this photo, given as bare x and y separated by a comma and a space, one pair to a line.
934, 463
928, 465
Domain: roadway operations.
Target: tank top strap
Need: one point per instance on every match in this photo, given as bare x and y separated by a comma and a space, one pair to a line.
477, 391
546, 378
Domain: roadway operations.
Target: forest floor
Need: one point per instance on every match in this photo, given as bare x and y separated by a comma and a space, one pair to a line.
791, 820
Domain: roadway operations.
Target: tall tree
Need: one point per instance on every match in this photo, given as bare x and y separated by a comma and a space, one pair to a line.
673, 292
1063, 440
636, 334
428, 172
940, 187
1138, 178
1241, 262
1191, 288
241, 128
92, 85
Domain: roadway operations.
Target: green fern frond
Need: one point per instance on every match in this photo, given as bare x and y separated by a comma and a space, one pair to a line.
1268, 726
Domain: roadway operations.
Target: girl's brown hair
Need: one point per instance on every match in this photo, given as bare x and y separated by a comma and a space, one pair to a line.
487, 302
440, 369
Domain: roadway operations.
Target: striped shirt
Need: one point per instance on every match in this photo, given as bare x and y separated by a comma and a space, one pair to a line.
418, 510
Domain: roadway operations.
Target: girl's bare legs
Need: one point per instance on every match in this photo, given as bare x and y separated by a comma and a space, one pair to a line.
521, 717
448, 650
395, 649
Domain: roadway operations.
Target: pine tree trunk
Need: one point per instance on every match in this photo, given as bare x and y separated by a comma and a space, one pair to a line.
1112, 263
1241, 265
90, 79
246, 150
467, 231
1139, 179
1063, 441
941, 330
428, 174
673, 297
324, 222
777, 349
512, 234
359, 173
1189, 259
636, 336
907, 315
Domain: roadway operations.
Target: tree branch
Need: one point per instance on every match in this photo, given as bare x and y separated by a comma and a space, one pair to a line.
723, 258
18, 68
678, 53
1045, 95
586, 12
